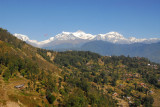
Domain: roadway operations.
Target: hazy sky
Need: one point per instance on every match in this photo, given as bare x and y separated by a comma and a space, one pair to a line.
36, 18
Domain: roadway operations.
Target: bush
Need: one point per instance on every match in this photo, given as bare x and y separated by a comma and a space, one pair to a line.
148, 101
137, 103
6, 75
51, 98
76, 99
0, 71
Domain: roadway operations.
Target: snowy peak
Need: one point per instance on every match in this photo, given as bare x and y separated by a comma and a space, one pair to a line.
74, 35
21, 37
82, 35
65, 36
113, 37
32, 42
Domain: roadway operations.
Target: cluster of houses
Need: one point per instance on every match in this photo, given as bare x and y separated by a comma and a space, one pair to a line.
129, 99
131, 76
115, 94
142, 84
154, 66
135, 75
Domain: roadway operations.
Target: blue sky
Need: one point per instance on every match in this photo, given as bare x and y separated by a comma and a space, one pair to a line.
36, 18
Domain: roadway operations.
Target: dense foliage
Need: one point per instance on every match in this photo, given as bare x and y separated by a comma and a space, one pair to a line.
8, 38
75, 58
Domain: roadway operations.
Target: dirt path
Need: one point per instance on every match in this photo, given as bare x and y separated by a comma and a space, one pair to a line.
11, 104
3, 90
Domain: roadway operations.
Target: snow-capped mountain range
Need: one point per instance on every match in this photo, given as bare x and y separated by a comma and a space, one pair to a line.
111, 43
113, 37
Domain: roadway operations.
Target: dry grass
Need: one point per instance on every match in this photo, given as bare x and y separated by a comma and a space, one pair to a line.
13, 98
156, 97
29, 101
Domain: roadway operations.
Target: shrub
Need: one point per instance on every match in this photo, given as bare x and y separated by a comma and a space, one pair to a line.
51, 98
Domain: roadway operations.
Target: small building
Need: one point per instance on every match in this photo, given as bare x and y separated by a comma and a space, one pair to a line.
129, 98
115, 94
155, 66
19, 86
128, 79
142, 84
136, 75
151, 92
130, 102
121, 85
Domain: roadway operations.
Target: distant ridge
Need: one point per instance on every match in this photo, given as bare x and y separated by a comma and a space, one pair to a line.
150, 51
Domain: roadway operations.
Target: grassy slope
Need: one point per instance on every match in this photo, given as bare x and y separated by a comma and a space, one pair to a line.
156, 96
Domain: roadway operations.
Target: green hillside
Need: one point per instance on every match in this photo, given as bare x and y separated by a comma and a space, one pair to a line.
34, 77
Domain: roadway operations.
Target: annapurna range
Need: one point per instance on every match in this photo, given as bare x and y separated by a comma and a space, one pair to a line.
111, 43
82, 37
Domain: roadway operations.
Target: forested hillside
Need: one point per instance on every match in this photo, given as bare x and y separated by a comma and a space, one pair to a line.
127, 78
33, 77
